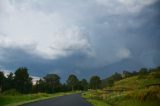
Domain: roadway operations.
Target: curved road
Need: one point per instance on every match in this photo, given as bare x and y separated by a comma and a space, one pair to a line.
68, 100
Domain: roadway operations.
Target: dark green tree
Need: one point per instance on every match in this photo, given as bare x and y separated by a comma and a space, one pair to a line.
40, 86
84, 84
116, 77
2, 80
126, 74
110, 82
72, 82
95, 82
9, 82
22, 81
64, 88
143, 72
53, 82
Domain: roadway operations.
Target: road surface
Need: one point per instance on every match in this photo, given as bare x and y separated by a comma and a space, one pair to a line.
68, 100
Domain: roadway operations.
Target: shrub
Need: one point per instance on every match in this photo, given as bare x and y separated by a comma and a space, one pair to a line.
145, 94
156, 75
12, 92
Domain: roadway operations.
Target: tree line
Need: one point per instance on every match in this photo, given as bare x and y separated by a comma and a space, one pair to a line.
22, 82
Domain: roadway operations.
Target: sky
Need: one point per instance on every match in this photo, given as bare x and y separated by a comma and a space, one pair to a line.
81, 37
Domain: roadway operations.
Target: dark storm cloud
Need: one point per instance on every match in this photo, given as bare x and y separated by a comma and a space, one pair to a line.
39, 67
139, 33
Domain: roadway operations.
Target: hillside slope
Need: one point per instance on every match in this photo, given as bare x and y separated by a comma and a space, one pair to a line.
136, 82
133, 91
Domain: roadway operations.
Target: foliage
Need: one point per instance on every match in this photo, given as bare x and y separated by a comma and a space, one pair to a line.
97, 102
143, 73
91, 97
136, 92
84, 85
11, 92
152, 93
52, 83
110, 80
156, 75
2, 79
72, 81
95, 82
40, 86
22, 81
9, 81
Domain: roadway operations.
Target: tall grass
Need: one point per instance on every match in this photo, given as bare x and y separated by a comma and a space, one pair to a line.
138, 94
132, 102
152, 93
98, 102
93, 98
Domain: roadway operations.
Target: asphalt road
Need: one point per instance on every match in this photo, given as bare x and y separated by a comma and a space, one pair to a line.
69, 100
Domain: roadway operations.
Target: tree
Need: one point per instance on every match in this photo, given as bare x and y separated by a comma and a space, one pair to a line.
110, 82
2, 79
134, 73
53, 82
116, 77
22, 81
64, 88
126, 74
95, 82
84, 84
143, 72
72, 81
40, 86
157, 69
9, 83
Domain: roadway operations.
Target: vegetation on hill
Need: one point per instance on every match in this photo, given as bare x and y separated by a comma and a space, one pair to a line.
140, 89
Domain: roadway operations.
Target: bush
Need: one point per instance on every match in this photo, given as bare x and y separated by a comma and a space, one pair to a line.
152, 93
156, 75
12, 92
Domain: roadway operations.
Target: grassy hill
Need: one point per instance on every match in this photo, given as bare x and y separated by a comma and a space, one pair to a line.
132, 91
136, 82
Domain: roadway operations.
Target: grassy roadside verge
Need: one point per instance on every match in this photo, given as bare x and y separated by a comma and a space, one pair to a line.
141, 97
8, 100
93, 101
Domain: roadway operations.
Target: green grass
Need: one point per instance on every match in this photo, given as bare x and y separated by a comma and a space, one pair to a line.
89, 96
135, 82
139, 103
15, 100
136, 95
97, 102
141, 97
